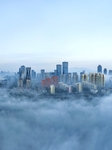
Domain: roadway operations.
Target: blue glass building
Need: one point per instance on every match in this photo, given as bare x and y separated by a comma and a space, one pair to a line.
42, 74
99, 69
65, 68
58, 70
105, 71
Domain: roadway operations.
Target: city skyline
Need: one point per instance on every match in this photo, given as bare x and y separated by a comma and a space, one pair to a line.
41, 34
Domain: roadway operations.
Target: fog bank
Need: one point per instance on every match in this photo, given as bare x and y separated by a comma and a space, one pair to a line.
51, 124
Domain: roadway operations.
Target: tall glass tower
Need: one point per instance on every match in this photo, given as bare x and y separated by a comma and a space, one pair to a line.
105, 71
28, 73
42, 74
58, 69
99, 69
65, 68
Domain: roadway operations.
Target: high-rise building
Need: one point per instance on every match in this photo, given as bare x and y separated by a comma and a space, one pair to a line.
78, 87
105, 71
52, 89
33, 74
110, 72
98, 79
22, 72
81, 75
75, 77
22, 75
65, 68
69, 78
28, 73
92, 78
42, 74
28, 83
99, 69
20, 83
58, 69
63, 78
84, 77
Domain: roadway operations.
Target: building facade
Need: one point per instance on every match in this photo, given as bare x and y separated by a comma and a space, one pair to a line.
98, 79
99, 69
65, 68
105, 71
58, 70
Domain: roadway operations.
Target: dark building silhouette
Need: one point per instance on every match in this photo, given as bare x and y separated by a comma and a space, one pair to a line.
105, 71
33, 74
110, 72
28, 73
42, 74
99, 69
58, 69
65, 68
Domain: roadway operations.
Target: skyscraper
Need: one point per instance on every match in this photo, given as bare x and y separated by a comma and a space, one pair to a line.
110, 72
99, 69
84, 77
33, 74
105, 71
42, 74
98, 79
58, 69
22, 75
75, 77
69, 78
28, 73
65, 68
22, 72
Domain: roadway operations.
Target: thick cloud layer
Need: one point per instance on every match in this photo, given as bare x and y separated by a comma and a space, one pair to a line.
51, 124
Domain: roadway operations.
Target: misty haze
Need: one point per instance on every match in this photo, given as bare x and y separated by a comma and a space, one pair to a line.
55, 75
49, 124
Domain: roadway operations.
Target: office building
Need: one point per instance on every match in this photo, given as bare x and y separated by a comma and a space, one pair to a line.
28, 73
110, 72
58, 69
63, 78
99, 69
78, 87
69, 78
52, 89
65, 68
42, 74
75, 77
98, 79
88, 85
28, 83
105, 71
22, 76
22, 72
20, 83
33, 74
83, 77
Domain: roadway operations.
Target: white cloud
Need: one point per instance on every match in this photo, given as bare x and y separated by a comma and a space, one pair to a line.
34, 123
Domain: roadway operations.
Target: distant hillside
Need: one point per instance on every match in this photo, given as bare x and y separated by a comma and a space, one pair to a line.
78, 70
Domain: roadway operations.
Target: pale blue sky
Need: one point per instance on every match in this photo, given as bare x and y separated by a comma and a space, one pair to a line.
42, 33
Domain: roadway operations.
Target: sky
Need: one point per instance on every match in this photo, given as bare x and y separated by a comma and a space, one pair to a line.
43, 33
